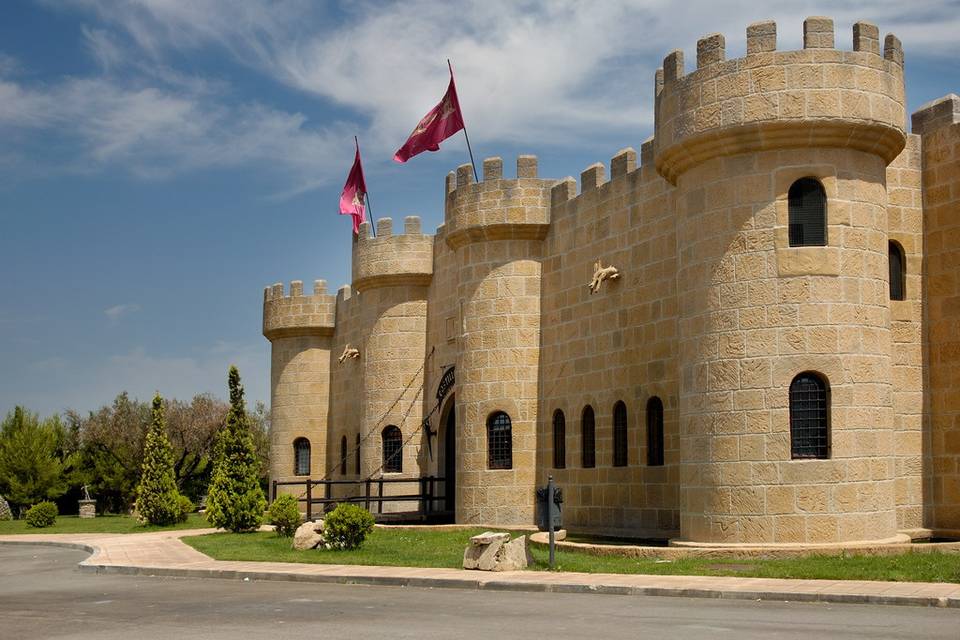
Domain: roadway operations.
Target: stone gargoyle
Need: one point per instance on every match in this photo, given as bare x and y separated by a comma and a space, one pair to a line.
601, 273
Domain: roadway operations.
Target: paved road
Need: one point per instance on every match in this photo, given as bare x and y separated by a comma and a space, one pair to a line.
42, 595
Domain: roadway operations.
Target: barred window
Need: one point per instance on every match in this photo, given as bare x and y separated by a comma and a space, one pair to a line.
301, 457
588, 444
655, 432
898, 272
343, 456
620, 435
807, 212
392, 449
559, 440
809, 416
500, 441
356, 456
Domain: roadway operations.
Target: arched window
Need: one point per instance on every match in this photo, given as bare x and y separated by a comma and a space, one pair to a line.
343, 456
807, 207
500, 441
620, 435
809, 416
898, 272
588, 444
392, 449
655, 432
356, 456
301, 457
559, 440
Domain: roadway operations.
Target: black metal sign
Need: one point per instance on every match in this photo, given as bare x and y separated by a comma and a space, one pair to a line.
447, 380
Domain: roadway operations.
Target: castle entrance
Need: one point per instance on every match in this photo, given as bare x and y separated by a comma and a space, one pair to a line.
448, 455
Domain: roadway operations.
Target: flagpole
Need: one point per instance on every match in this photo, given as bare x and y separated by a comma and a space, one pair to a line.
474, 164
366, 196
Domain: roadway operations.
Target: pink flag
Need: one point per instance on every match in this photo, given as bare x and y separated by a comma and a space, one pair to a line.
440, 123
353, 199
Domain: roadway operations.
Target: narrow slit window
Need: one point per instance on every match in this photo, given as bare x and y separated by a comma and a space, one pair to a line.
343, 456
807, 211
392, 450
588, 441
356, 456
301, 457
898, 272
559, 440
620, 435
655, 432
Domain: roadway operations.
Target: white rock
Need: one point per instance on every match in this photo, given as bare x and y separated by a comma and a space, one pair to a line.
308, 535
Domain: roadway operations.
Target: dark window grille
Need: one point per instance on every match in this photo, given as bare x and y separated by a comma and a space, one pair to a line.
897, 272
356, 456
620, 435
655, 432
343, 456
500, 441
559, 440
392, 450
809, 417
301, 456
588, 442
807, 207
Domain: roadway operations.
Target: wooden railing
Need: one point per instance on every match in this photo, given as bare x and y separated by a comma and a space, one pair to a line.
428, 502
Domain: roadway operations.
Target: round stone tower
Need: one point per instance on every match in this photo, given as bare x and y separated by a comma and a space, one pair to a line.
755, 312
299, 328
391, 274
496, 228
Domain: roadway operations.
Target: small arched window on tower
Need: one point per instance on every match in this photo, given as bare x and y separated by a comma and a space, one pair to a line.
301, 457
499, 441
655, 432
620, 434
559, 440
588, 441
809, 416
356, 456
392, 449
898, 272
807, 213
343, 456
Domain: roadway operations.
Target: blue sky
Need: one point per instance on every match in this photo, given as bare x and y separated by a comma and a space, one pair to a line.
162, 161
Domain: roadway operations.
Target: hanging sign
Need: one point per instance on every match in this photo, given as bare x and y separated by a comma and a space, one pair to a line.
447, 380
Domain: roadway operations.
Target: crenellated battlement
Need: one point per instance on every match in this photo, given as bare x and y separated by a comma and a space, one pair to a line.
818, 96
295, 314
388, 259
496, 207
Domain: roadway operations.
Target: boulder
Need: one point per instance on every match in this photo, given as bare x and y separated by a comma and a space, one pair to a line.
309, 535
492, 551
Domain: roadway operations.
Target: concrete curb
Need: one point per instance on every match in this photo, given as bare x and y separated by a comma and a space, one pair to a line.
480, 584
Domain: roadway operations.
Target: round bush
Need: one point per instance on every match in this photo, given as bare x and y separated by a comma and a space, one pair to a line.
186, 508
347, 526
42, 514
285, 515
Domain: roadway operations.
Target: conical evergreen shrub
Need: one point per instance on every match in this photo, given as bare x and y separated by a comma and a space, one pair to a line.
235, 501
158, 500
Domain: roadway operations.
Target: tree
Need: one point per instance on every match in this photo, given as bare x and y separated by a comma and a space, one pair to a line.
158, 501
33, 464
235, 501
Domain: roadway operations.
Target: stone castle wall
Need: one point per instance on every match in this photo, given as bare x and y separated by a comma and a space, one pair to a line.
713, 313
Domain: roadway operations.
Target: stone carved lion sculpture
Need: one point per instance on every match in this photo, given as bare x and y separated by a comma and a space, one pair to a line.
601, 273
348, 352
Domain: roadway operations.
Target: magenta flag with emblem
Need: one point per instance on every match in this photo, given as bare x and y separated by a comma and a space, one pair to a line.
353, 199
440, 123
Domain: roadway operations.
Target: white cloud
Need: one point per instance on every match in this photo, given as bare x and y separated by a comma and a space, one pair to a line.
116, 312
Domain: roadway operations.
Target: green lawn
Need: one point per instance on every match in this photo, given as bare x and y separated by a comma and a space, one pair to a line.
426, 548
100, 524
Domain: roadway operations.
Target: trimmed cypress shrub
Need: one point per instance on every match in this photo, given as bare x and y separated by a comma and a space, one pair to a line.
347, 526
285, 515
158, 501
42, 514
235, 501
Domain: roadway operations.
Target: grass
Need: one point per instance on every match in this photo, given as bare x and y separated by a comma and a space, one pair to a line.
100, 524
429, 548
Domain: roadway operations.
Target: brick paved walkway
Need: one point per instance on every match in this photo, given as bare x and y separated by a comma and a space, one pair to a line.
164, 554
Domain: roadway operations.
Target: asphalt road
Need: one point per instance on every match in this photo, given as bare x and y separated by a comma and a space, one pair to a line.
42, 595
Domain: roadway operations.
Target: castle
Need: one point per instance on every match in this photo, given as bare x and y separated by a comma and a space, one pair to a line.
774, 356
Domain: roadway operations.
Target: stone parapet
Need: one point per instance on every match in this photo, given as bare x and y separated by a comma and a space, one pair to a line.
816, 97
296, 314
497, 208
387, 259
